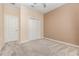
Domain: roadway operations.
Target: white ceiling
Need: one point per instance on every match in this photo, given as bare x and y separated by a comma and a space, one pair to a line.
40, 8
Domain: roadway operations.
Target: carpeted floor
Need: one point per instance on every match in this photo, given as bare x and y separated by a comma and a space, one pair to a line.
40, 47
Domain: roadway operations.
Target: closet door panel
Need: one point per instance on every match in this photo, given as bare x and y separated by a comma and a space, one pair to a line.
11, 28
34, 29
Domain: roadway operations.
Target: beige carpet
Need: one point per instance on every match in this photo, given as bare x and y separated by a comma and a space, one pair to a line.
40, 47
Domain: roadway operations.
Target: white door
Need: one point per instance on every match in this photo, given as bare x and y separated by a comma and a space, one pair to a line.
11, 27
34, 29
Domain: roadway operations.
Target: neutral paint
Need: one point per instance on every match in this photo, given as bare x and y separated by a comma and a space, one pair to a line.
12, 11
63, 24
1, 26
6, 9
25, 13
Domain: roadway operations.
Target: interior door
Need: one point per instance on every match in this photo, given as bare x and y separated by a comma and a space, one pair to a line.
34, 29
11, 27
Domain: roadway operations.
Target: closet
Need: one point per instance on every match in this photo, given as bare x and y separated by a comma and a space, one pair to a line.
11, 23
19, 24
34, 28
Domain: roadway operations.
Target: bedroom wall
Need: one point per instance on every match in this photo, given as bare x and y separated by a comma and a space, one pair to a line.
11, 10
63, 24
6, 9
25, 13
1, 26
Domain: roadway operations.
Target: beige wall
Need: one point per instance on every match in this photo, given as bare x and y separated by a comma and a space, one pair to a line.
1, 26
6, 9
63, 24
25, 13
12, 11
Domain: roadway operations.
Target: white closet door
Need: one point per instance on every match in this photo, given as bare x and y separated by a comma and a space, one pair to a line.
34, 29
11, 27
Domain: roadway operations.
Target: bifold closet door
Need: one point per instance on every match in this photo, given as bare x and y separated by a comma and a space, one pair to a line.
11, 28
34, 29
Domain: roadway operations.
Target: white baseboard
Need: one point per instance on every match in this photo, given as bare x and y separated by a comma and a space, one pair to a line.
70, 44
